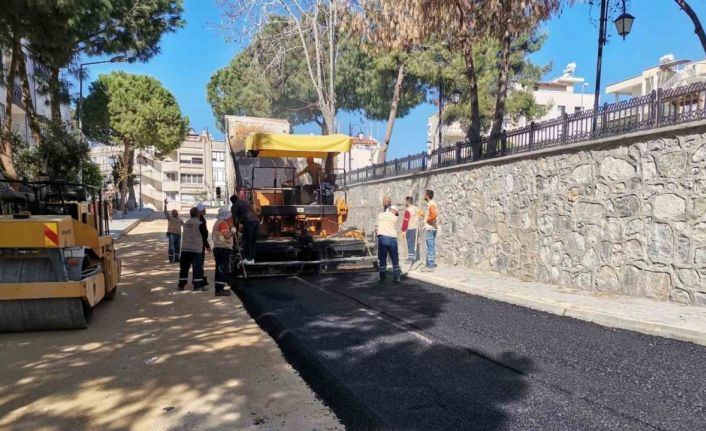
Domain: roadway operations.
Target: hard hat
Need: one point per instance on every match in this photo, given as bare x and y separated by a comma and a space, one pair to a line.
394, 208
201, 207
223, 213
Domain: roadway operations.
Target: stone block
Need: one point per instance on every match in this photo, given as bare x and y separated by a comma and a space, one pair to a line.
700, 256
699, 232
680, 296
699, 155
689, 277
627, 206
683, 248
634, 250
669, 206
660, 241
698, 207
671, 165
582, 281
633, 227
588, 212
649, 168
582, 174
607, 280
615, 169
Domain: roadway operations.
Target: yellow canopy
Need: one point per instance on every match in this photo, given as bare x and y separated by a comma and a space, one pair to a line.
281, 145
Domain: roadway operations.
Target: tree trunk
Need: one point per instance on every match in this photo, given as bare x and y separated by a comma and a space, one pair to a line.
55, 95
474, 129
401, 73
501, 97
6, 147
124, 175
27, 98
698, 29
131, 181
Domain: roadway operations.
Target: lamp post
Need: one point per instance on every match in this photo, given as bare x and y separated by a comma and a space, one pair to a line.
623, 24
350, 133
583, 90
439, 60
116, 59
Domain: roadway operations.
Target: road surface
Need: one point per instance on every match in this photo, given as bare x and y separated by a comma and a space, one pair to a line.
154, 359
419, 357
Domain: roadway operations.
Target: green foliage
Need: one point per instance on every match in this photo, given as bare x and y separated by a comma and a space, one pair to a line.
135, 110
60, 155
523, 75
366, 82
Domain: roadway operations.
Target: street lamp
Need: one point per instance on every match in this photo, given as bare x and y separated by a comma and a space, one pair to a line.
623, 25
440, 62
350, 133
455, 97
583, 90
116, 59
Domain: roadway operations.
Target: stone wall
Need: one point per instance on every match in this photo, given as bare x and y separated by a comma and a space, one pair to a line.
619, 216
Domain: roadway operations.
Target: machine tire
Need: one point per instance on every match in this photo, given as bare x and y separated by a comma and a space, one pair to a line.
112, 294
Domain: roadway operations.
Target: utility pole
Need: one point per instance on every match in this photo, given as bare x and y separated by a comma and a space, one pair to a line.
599, 60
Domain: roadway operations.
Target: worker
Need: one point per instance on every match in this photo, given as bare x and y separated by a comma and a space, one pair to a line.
410, 223
387, 240
431, 223
244, 215
313, 169
174, 225
222, 247
191, 249
206, 247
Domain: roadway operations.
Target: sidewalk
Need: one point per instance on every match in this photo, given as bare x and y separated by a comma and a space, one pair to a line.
664, 319
124, 223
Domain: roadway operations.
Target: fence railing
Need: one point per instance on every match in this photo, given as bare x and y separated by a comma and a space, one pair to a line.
658, 109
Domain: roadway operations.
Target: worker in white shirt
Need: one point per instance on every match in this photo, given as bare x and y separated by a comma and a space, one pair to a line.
387, 240
410, 225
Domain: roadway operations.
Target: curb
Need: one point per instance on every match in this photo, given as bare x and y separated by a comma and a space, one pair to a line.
565, 309
127, 230
348, 408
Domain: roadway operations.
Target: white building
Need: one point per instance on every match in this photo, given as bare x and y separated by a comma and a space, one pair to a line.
558, 96
365, 151
105, 157
669, 73
38, 78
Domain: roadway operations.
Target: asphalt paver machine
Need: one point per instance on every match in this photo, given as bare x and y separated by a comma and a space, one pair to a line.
301, 225
57, 258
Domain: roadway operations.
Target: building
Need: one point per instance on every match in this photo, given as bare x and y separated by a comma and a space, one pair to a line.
193, 173
105, 157
558, 96
38, 78
365, 151
669, 73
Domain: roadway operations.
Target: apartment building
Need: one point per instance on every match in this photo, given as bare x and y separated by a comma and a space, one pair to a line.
193, 173
38, 78
558, 96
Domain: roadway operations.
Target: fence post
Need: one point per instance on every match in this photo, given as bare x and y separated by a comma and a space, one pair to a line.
564, 127
396, 166
458, 152
658, 108
531, 136
503, 142
604, 118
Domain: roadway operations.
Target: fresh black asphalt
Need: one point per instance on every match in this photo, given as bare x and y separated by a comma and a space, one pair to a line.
415, 356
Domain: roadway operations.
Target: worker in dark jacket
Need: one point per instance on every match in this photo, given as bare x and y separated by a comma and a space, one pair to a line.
244, 214
206, 247
191, 249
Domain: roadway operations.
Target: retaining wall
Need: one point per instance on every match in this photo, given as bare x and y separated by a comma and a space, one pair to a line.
621, 215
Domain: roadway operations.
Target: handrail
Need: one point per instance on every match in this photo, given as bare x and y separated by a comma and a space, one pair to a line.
660, 108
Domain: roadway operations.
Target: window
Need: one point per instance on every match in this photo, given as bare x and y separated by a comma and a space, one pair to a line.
186, 198
191, 159
218, 156
219, 175
172, 196
578, 108
171, 176
192, 178
562, 109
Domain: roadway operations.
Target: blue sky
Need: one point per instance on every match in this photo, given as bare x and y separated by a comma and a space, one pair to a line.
189, 57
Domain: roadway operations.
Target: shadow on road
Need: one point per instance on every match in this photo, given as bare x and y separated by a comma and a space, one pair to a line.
152, 359
360, 345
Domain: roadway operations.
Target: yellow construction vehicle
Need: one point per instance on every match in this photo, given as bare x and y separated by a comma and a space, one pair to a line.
301, 225
57, 258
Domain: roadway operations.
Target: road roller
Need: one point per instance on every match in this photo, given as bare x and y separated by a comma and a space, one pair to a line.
57, 258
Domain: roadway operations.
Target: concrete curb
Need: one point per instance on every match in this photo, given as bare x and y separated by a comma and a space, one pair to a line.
127, 230
566, 309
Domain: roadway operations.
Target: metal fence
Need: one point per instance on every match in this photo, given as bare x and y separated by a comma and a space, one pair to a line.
658, 109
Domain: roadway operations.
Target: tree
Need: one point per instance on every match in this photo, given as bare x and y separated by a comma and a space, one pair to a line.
134, 111
313, 27
698, 28
87, 27
506, 20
